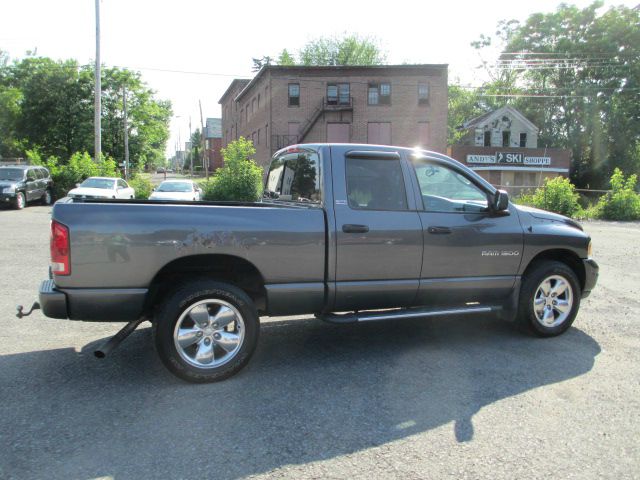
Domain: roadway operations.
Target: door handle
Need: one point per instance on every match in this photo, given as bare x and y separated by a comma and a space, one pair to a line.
352, 228
439, 230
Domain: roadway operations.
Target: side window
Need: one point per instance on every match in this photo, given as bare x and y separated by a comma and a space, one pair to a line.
445, 190
45, 173
295, 177
122, 184
31, 175
375, 184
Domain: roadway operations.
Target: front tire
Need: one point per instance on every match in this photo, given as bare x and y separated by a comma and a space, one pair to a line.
549, 299
20, 202
206, 331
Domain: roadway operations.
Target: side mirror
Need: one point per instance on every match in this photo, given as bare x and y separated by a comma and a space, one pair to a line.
500, 201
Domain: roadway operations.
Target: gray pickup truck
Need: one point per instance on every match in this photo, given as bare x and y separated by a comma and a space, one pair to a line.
350, 233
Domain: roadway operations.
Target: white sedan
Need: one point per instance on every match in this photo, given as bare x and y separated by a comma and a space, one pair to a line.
182, 190
102, 187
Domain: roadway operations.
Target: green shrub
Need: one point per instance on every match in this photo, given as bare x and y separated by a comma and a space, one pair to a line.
622, 202
142, 185
556, 195
79, 167
240, 179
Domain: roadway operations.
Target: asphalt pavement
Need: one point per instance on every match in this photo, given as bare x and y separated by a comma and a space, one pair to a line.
466, 397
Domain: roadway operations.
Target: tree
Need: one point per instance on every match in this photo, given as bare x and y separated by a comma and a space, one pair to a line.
48, 105
195, 154
285, 58
258, 63
348, 50
240, 179
583, 69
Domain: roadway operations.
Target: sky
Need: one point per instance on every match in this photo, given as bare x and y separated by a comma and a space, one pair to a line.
190, 50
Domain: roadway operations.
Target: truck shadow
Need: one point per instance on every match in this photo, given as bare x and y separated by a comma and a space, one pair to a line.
312, 392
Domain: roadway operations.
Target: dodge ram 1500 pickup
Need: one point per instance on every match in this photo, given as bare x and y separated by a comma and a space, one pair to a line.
350, 233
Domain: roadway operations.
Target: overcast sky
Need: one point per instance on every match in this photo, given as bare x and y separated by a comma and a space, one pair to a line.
166, 40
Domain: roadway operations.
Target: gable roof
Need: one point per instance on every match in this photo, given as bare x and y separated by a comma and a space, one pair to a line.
240, 83
213, 129
490, 116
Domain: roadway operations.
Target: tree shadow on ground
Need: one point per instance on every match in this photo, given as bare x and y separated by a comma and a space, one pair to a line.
312, 391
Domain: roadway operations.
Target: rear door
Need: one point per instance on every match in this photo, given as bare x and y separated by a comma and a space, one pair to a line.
471, 254
378, 230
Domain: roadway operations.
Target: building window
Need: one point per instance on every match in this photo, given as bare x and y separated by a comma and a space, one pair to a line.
258, 101
379, 133
523, 140
253, 106
294, 94
487, 139
344, 94
423, 93
506, 138
332, 94
379, 94
338, 94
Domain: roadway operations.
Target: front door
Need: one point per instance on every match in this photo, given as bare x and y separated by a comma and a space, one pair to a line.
32, 188
379, 235
471, 255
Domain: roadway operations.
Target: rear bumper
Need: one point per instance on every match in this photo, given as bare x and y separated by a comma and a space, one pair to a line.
92, 304
591, 276
52, 301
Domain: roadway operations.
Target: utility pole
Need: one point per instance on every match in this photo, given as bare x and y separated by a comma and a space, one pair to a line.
126, 134
98, 91
205, 157
190, 149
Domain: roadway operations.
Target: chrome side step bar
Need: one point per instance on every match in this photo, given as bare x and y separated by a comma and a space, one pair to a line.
372, 316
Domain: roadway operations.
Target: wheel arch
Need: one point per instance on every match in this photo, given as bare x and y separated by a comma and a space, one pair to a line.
568, 257
230, 269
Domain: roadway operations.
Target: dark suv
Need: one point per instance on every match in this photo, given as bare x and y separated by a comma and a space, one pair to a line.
20, 184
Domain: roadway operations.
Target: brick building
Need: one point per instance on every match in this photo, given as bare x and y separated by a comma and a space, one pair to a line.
502, 147
402, 105
213, 143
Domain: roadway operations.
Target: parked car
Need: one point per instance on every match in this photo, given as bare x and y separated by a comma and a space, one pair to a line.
160, 170
21, 184
102, 187
177, 190
379, 232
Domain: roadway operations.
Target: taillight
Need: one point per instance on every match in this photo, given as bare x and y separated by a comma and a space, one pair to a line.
60, 253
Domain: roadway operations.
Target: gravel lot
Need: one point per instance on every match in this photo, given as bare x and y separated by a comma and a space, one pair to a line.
437, 398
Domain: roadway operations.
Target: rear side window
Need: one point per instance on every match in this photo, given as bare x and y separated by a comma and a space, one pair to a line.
375, 184
295, 177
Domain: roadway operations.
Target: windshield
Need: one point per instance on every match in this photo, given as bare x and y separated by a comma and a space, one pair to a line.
11, 174
175, 187
105, 183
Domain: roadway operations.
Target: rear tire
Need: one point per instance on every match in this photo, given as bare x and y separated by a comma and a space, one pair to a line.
549, 299
206, 331
47, 198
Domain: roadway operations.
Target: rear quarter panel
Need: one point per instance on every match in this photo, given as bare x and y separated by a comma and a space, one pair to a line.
124, 245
